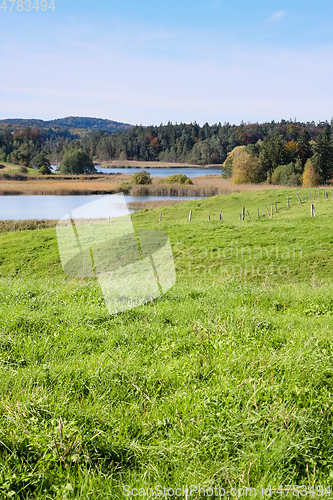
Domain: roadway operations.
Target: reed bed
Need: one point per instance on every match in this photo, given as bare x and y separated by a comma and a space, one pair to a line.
205, 186
142, 205
60, 186
7, 226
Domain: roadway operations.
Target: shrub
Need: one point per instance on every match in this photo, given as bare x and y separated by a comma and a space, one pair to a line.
124, 187
286, 175
23, 169
176, 179
142, 177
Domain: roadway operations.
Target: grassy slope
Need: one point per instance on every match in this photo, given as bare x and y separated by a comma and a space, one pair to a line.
227, 379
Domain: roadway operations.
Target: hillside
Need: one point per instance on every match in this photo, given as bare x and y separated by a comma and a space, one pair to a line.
225, 381
70, 123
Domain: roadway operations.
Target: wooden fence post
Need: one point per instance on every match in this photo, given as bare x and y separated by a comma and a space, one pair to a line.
299, 199
220, 216
288, 202
271, 211
313, 213
243, 214
208, 217
160, 217
248, 213
258, 213
190, 216
240, 216
276, 207
267, 209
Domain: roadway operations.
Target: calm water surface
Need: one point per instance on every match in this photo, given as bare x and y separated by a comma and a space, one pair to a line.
160, 172
55, 207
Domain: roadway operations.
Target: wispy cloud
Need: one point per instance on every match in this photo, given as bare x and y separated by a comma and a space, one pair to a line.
276, 16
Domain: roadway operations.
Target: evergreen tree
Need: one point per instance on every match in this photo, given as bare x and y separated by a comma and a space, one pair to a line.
323, 155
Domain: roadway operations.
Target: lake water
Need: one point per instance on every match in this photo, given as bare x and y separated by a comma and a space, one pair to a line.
55, 207
160, 172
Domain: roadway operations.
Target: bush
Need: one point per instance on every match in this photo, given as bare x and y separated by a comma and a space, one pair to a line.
176, 179
124, 187
23, 169
286, 175
142, 177
2, 166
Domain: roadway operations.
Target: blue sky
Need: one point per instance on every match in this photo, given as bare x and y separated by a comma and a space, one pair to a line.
150, 62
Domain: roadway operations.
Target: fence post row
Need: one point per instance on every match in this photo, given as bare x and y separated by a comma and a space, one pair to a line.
269, 212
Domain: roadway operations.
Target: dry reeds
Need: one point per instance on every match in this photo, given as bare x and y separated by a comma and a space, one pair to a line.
7, 226
141, 205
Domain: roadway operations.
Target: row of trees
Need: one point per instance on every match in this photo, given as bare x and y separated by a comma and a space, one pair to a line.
280, 161
192, 143
253, 152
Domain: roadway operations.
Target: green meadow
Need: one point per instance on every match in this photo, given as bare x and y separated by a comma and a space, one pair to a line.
226, 381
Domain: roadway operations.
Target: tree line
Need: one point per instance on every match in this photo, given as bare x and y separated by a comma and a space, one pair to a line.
272, 151
279, 161
192, 143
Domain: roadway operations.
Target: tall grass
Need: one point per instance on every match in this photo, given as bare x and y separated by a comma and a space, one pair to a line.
226, 380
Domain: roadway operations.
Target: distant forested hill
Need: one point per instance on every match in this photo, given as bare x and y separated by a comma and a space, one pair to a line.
71, 123
276, 152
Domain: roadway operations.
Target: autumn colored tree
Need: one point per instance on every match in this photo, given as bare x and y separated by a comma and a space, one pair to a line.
227, 170
311, 176
246, 168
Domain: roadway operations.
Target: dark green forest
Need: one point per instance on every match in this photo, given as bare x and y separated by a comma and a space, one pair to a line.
268, 145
